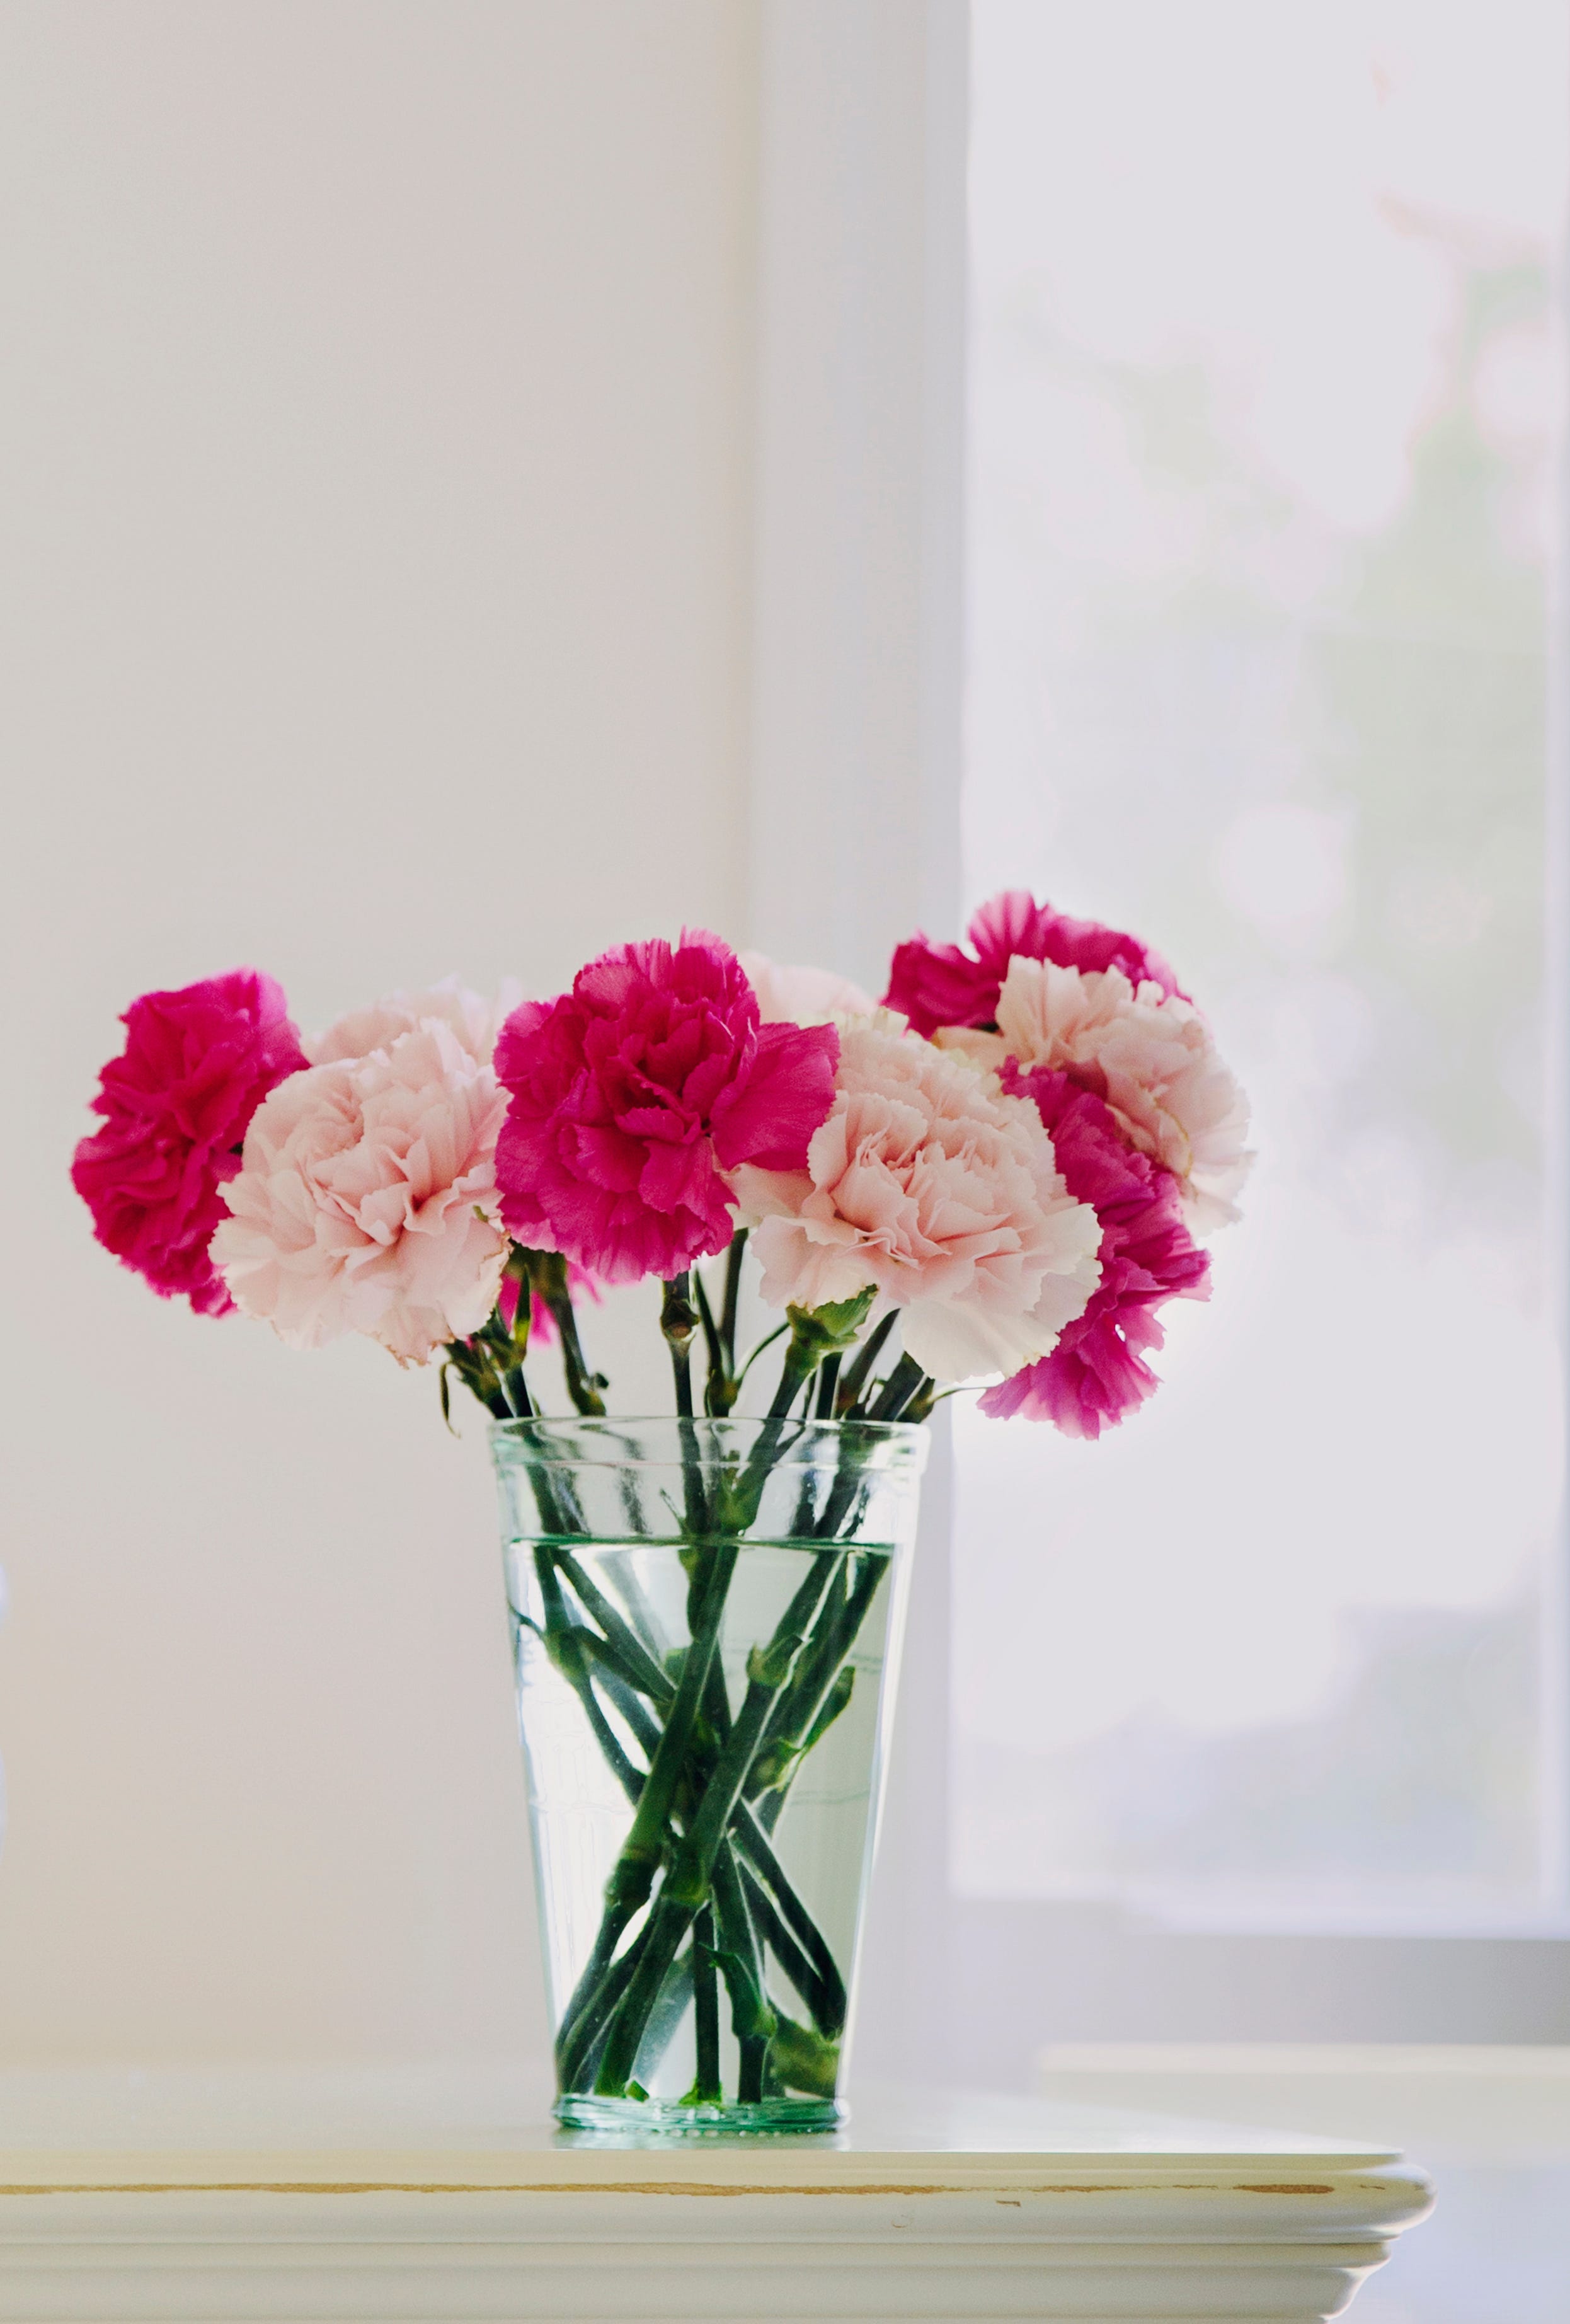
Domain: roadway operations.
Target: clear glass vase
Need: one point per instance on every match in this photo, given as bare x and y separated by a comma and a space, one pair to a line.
706, 1625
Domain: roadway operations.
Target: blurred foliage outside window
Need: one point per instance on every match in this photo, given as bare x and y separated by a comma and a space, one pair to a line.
1264, 439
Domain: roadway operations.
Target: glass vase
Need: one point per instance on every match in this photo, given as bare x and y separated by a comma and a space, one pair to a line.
706, 1617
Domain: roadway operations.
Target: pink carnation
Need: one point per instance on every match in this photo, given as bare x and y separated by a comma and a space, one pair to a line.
177, 1101
367, 1199
1097, 1374
474, 1023
943, 984
803, 996
473, 1019
633, 1094
929, 1182
1152, 1055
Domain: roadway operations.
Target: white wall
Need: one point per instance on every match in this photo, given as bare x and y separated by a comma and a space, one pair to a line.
854, 834
374, 417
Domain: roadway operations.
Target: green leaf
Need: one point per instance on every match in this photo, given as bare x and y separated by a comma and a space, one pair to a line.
830, 1330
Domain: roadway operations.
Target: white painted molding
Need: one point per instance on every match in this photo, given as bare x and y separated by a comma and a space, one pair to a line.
389, 2204
857, 630
411, 2259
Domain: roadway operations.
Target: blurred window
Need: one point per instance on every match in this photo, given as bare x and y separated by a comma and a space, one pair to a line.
1264, 434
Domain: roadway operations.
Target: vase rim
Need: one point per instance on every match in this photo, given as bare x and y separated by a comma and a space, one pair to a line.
657, 1440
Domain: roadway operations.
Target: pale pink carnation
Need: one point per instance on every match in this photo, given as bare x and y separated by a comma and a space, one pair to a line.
927, 1181
366, 1199
801, 995
475, 1022
1154, 1059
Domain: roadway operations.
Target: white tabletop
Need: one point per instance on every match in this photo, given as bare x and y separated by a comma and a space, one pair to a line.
1492, 2123
448, 2194
477, 2126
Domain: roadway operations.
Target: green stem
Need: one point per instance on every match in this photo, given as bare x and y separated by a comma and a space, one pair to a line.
632, 1876
678, 1320
594, 1998
640, 1612
752, 2021
471, 1360
627, 1701
743, 1495
549, 1276
828, 1382
801, 1525
616, 1758
668, 2011
733, 1257
567, 1643
639, 1664
695, 1498
855, 1379
717, 1702
797, 1367
551, 1515
766, 1342
800, 2060
817, 1672
753, 1842
702, 1809
842, 1495
688, 1883
557, 1618
820, 1998
707, 2089
663, 1932
719, 1388
769, 1667
904, 1383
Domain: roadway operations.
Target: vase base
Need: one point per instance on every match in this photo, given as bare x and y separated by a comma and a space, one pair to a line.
632, 2121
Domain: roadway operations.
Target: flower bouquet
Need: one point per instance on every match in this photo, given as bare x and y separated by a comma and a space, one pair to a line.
997, 1174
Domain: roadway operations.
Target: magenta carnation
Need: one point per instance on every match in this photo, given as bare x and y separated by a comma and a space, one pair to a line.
636, 1092
1097, 1374
177, 1103
943, 984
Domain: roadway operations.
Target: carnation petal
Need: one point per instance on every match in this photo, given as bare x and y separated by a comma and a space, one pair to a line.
1096, 1373
626, 1094
930, 1181
768, 1115
937, 985
471, 1019
1152, 1056
365, 1198
196, 1064
803, 996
